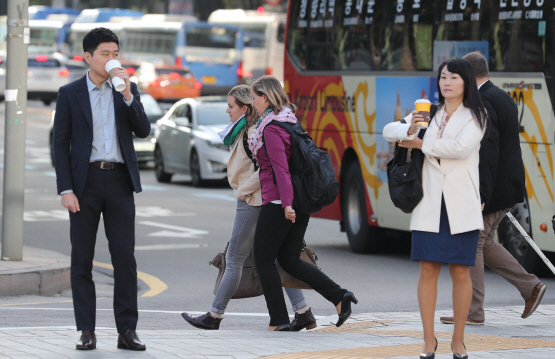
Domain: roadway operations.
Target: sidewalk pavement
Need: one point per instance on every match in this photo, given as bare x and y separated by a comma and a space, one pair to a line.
367, 335
370, 335
41, 272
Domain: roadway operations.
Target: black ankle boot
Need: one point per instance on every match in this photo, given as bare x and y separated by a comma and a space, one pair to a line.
205, 321
304, 320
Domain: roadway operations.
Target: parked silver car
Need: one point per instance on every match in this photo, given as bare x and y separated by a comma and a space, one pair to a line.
187, 140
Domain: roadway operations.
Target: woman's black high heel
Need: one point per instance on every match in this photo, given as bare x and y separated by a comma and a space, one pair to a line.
457, 355
348, 297
431, 355
283, 328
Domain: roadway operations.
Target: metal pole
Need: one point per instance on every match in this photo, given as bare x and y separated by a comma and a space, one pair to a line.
531, 242
15, 96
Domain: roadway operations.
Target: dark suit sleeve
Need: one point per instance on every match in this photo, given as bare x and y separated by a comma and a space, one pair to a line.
62, 142
137, 116
489, 154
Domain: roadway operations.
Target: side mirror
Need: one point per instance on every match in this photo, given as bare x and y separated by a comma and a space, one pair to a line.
183, 122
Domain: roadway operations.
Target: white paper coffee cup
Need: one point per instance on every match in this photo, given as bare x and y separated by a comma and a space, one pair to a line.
117, 82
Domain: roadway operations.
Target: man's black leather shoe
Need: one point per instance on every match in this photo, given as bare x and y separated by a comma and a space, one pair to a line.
205, 321
130, 340
87, 341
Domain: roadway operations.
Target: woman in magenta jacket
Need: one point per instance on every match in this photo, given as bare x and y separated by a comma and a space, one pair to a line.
280, 229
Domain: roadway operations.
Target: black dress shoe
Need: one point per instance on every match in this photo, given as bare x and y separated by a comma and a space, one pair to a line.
283, 328
87, 341
431, 355
348, 297
130, 340
205, 321
304, 320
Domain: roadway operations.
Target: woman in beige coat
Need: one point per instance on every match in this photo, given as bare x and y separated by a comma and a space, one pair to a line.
446, 223
242, 174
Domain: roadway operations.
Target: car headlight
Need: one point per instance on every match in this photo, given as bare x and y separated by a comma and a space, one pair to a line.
219, 145
217, 167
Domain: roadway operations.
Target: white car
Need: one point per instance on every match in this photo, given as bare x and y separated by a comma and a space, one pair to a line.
187, 140
45, 75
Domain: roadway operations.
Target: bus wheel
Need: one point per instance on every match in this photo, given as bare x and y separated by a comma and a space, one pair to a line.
161, 175
363, 238
515, 242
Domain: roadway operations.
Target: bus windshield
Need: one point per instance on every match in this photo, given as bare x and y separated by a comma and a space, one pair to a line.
43, 40
212, 37
150, 41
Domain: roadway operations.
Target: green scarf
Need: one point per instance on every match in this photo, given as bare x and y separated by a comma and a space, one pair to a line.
231, 136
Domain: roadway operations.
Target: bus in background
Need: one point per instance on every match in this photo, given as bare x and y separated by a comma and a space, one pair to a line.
105, 14
352, 67
42, 12
211, 52
263, 35
50, 35
78, 32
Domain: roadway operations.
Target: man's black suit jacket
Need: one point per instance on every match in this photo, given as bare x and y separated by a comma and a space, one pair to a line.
501, 167
73, 134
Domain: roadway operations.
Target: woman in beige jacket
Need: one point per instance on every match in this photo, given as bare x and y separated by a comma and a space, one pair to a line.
242, 174
446, 223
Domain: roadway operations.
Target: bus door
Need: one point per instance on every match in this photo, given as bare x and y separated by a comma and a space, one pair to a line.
213, 53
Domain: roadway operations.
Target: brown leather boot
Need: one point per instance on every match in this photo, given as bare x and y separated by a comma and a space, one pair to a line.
304, 320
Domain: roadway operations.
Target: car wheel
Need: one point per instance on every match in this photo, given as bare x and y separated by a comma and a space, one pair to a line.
363, 238
161, 175
515, 242
46, 102
194, 167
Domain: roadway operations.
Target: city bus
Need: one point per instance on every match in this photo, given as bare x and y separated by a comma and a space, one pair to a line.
211, 52
80, 29
263, 35
48, 36
353, 66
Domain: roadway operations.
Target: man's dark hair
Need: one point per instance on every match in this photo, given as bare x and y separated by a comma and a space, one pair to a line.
479, 64
96, 37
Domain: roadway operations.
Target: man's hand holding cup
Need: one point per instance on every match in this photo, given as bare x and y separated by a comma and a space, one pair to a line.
119, 78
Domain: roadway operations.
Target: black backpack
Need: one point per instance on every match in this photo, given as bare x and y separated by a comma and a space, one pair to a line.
312, 175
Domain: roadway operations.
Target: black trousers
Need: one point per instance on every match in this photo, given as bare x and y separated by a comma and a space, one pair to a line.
277, 237
110, 193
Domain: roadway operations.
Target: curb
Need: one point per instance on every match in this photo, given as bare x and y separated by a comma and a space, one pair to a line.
41, 272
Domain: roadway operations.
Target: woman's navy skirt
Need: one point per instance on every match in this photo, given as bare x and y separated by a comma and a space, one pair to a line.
445, 247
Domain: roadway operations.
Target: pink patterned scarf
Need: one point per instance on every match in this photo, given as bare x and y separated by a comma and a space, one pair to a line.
255, 140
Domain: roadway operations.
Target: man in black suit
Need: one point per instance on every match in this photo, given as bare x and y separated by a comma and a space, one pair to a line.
501, 187
97, 172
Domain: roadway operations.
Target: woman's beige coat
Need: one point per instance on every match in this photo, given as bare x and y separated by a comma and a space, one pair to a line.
241, 175
457, 176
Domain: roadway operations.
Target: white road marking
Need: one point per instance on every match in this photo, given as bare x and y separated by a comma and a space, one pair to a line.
215, 196
160, 311
151, 211
174, 231
153, 188
148, 212
161, 247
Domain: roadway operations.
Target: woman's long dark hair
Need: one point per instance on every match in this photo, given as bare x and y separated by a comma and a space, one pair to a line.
471, 99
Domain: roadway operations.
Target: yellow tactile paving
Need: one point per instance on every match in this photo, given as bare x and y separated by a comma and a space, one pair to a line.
474, 342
